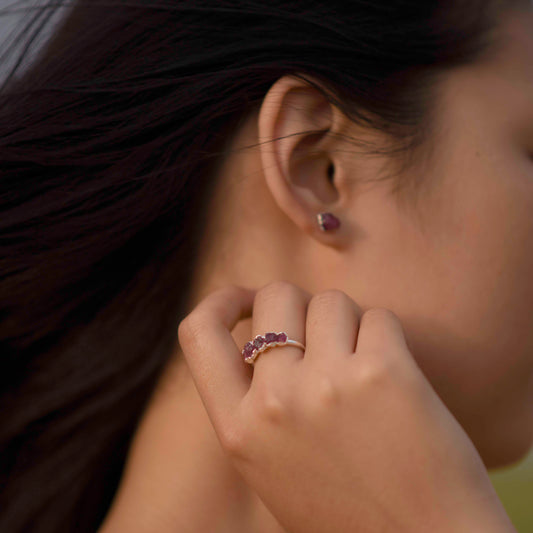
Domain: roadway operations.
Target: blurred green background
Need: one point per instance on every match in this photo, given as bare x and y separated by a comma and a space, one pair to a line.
514, 486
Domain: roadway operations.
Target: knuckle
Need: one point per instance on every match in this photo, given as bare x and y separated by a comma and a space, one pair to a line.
232, 288
374, 371
323, 396
233, 441
229, 291
325, 305
379, 314
277, 289
182, 329
185, 329
269, 407
189, 329
329, 298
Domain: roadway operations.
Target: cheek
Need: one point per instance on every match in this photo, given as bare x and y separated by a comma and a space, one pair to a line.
472, 333
481, 248
459, 277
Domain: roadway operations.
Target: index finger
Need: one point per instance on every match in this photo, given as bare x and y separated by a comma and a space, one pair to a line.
214, 359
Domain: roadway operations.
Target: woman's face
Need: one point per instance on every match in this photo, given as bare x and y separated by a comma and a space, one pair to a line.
460, 277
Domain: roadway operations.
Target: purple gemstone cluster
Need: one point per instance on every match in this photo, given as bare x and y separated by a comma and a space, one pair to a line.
328, 221
262, 342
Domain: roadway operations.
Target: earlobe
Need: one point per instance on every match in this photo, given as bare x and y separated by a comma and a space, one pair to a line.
298, 153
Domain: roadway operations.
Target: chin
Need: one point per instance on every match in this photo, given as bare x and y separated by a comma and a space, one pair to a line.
507, 450
503, 436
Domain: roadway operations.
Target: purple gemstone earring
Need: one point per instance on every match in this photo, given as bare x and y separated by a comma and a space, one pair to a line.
328, 221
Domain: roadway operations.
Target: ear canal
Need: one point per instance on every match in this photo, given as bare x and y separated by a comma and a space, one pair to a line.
331, 172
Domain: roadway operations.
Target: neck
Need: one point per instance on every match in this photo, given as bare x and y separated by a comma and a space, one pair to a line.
207, 479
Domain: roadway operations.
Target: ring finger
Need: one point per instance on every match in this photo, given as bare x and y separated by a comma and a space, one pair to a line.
279, 307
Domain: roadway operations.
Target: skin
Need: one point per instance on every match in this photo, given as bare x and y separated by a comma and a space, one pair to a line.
452, 260
346, 435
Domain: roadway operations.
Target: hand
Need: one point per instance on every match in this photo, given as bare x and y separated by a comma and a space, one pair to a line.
348, 436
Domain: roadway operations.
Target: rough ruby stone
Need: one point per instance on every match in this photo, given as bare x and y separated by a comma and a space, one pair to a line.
271, 337
259, 341
330, 221
282, 337
248, 349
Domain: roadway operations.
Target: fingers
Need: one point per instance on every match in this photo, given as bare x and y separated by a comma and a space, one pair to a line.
331, 325
279, 306
380, 332
215, 361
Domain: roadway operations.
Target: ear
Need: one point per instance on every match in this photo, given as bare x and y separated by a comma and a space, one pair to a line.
300, 156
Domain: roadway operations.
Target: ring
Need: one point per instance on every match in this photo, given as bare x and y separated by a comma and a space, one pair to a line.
261, 343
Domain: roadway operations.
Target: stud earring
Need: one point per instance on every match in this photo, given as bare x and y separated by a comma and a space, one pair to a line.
328, 221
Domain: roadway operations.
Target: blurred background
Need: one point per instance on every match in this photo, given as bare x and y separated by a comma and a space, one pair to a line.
515, 488
514, 485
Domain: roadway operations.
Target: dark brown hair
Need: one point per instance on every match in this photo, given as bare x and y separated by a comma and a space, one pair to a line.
109, 144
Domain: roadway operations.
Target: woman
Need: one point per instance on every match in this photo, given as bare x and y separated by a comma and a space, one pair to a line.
358, 175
